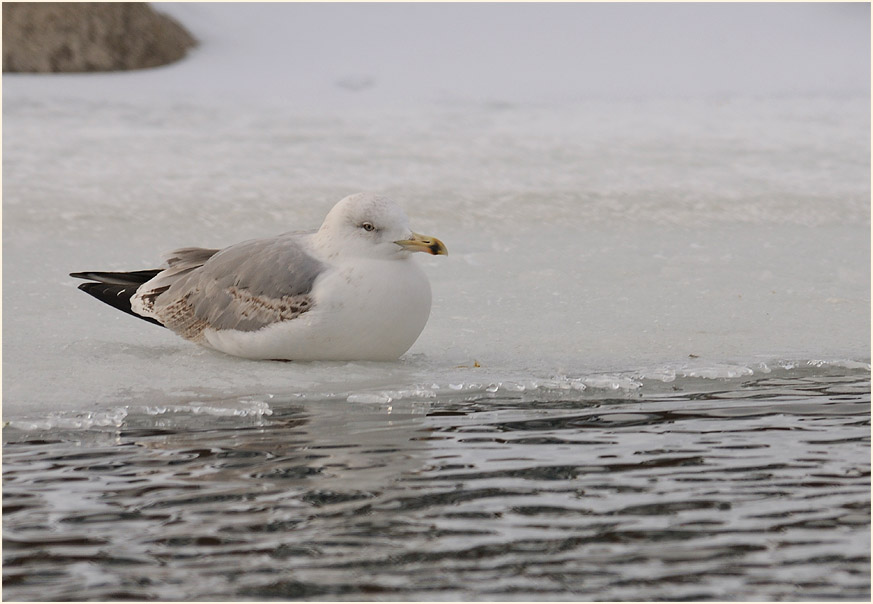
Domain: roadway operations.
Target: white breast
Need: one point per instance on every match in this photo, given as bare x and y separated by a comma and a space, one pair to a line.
366, 310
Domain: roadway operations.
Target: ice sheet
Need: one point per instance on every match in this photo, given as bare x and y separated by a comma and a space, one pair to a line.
594, 243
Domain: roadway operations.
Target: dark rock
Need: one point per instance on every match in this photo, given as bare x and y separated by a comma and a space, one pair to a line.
48, 37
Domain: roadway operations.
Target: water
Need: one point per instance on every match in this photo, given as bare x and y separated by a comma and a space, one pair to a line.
752, 488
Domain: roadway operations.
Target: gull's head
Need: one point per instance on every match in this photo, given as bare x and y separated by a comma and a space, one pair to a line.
370, 225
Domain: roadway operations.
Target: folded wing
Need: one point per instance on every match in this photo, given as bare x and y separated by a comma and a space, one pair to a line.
244, 287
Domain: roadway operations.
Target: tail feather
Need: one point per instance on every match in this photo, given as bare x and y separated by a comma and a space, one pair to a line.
116, 289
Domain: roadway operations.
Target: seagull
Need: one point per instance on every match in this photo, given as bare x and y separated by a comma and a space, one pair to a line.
349, 291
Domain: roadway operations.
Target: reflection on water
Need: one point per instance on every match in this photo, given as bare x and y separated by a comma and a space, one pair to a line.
759, 489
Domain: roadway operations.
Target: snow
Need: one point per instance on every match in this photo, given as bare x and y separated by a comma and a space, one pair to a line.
312, 54
628, 193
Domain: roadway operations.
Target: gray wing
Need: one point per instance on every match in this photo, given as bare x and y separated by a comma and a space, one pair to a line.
244, 287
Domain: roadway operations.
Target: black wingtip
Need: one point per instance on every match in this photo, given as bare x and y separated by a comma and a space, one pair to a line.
118, 278
113, 294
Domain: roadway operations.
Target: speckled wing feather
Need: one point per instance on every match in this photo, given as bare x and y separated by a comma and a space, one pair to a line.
244, 287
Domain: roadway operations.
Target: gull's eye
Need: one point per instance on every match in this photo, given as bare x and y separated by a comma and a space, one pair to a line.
368, 226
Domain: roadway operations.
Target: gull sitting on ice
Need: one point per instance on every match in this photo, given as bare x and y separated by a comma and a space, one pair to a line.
348, 291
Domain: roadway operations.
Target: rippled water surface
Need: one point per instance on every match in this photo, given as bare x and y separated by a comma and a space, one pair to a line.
753, 488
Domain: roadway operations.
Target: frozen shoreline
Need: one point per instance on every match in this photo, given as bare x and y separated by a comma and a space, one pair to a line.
366, 388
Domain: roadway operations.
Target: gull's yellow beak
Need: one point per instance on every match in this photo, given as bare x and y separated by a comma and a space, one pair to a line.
423, 243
